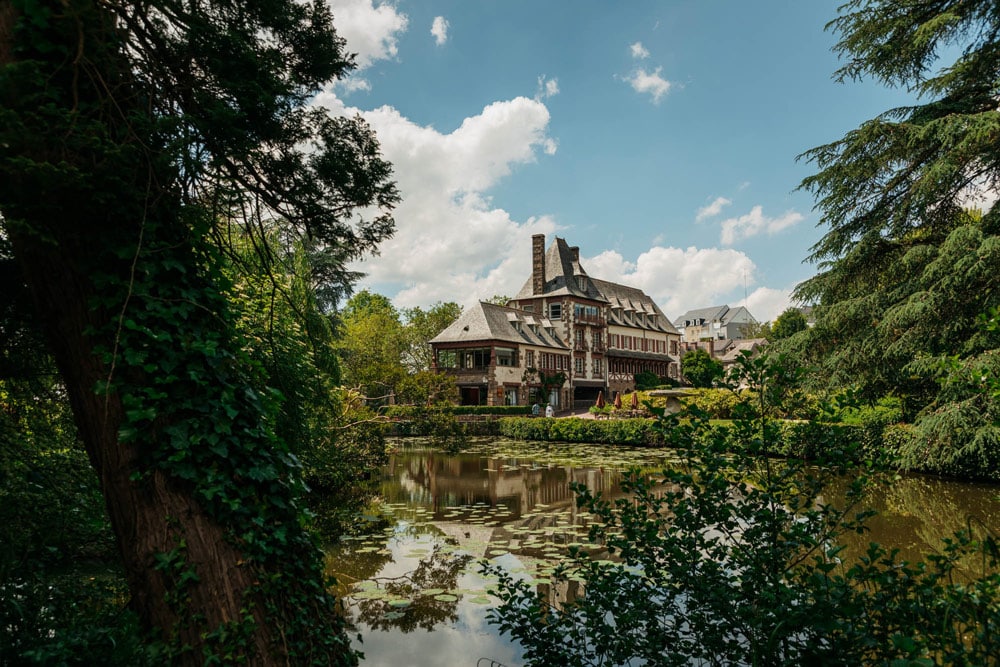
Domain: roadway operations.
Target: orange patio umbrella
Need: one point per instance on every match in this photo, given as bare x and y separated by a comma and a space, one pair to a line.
635, 400
618, 400
600, 399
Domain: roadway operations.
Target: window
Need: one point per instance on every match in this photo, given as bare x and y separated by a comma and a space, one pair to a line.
673, 347
578, 336
529, 308
447, 359
529, 358
581, 282
598, 368
578, 366
510, 396
596, 340
555, 311
506, 356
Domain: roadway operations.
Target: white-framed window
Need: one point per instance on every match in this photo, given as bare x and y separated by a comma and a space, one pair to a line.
555, 311
578, 366
598, 368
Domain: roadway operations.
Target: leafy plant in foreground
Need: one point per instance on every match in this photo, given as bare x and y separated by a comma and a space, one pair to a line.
736, 560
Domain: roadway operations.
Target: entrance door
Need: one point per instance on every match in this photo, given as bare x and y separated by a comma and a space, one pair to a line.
470, 395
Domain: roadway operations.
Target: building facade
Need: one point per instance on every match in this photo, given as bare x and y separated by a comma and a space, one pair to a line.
596, 334
714, 323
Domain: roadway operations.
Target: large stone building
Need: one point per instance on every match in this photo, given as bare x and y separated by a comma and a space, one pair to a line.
597, 334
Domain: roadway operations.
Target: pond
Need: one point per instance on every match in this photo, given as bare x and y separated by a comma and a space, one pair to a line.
411, 577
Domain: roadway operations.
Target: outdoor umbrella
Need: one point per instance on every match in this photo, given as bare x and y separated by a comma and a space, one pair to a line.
618, 400
600, 399
635, 400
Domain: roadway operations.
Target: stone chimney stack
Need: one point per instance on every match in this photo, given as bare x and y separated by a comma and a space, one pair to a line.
537, 263
574, 253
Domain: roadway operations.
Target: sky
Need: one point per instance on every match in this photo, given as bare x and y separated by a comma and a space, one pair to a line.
659, 137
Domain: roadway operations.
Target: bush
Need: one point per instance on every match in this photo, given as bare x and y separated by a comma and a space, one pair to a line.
716, 403
614, 431
731, 560
411, 411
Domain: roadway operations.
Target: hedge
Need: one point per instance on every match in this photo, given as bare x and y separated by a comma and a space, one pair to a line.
411, 411
573, 429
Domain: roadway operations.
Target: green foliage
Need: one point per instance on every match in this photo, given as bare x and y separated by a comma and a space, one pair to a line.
700, 369
716, 403
421, 326
370, 345
612, 431
405, 411
790, 322
735, 559
428, 388
649, 380
906, 266
342, 470
143, 128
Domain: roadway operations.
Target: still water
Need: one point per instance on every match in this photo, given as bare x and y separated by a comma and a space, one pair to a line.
411, 578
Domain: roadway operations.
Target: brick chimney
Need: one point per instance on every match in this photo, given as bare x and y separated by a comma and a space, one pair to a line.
537, 264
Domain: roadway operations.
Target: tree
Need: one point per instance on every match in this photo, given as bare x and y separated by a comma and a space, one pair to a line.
759, 330
906, 266
700, 369
791, 321
730, 559
128, 131
370, 345
421, 326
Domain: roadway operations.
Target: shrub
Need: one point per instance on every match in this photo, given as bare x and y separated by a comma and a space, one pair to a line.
730, 559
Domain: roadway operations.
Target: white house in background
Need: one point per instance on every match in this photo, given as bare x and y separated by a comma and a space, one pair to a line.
714, 323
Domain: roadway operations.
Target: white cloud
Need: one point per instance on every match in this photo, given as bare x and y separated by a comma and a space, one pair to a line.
547, 88
649, 82
371, 30
639, 51
678, 279
766, 303
754, 223
712, 209
439, 28
446, 212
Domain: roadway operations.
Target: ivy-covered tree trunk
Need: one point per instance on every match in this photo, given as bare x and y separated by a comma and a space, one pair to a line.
203, 498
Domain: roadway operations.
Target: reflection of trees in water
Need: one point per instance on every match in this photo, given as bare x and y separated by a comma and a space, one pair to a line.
438, 571
915, 513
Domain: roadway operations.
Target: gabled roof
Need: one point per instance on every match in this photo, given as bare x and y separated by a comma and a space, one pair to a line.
751, 345
723, 314
562, 278
488, 321
696, 316
626, 299
561, 272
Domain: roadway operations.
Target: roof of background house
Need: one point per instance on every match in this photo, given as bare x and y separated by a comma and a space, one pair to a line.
488, 321
697, 315
750, 345
723, 314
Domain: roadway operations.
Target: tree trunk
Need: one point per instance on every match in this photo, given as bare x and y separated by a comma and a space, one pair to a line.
200, 495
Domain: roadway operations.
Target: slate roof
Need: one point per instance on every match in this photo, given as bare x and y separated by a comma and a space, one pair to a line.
631, 300
696, 316
488, 321
562, 274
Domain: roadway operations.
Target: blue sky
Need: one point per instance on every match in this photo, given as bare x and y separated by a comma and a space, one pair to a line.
660, 137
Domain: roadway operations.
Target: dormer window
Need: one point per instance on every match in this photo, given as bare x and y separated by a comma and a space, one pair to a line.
581, 282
